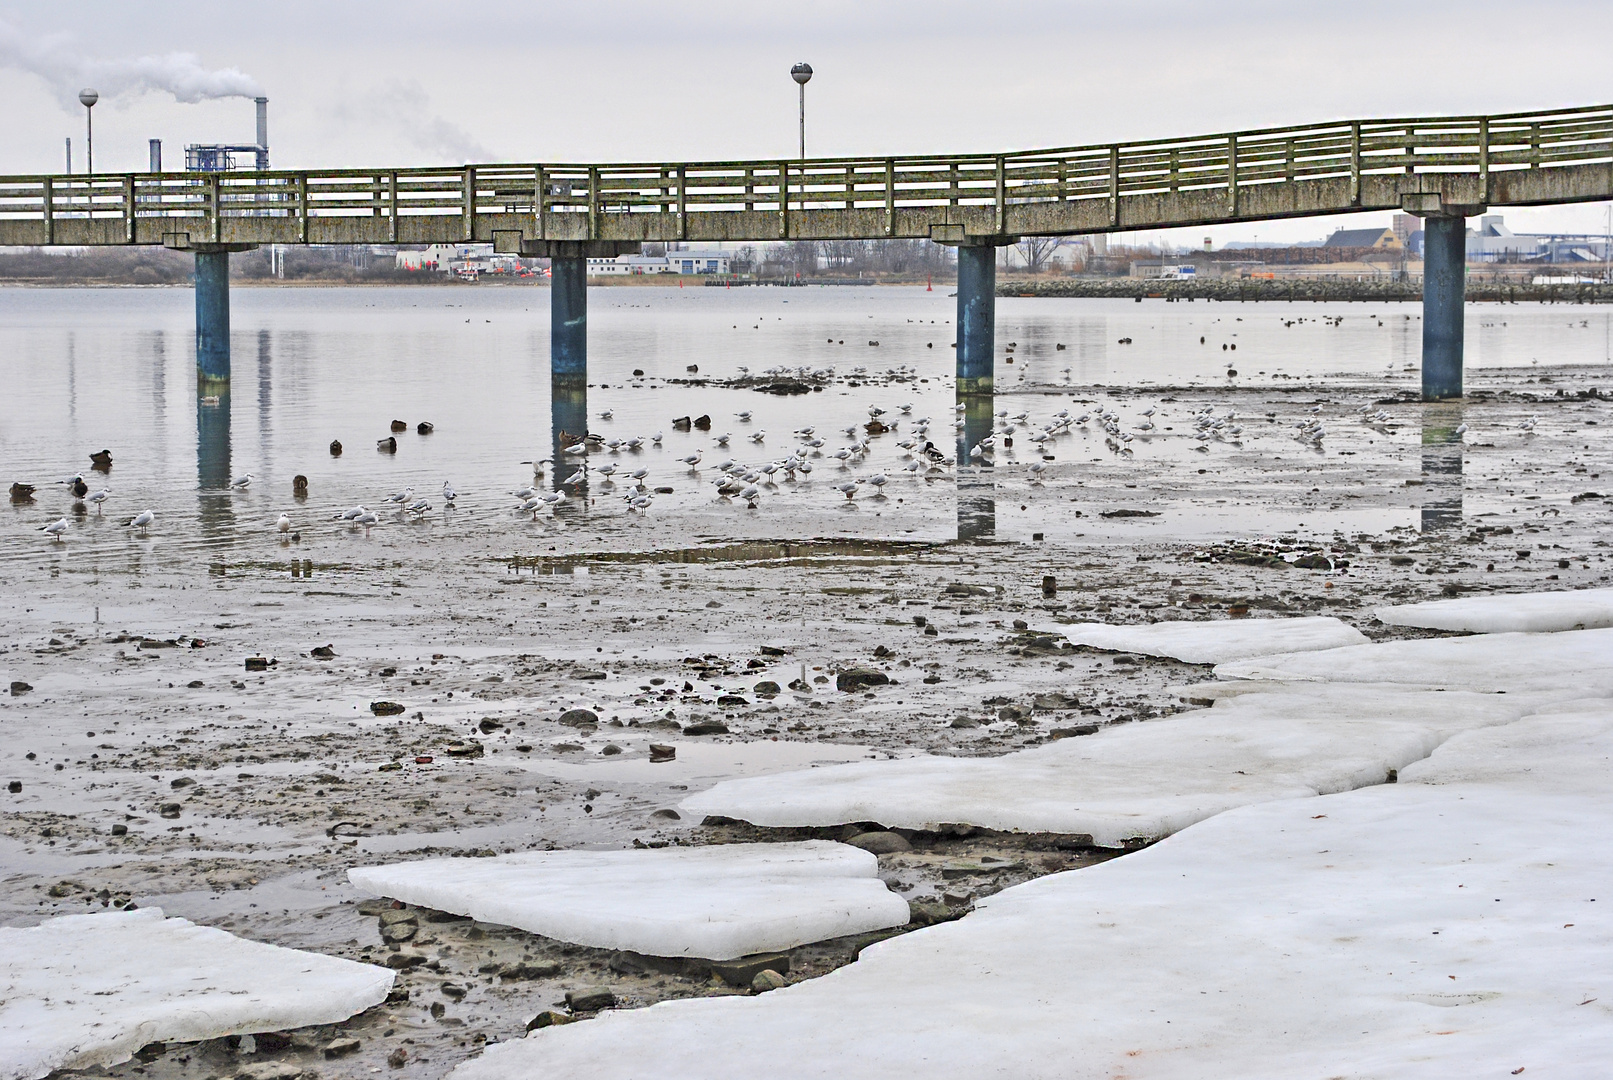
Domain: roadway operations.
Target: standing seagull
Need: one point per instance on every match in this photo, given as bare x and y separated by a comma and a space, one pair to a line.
141, 520
448, 493
99, 497
284, 524
55, 529
242, 481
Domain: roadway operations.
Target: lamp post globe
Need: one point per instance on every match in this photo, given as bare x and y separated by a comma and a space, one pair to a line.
88, 97
801, 73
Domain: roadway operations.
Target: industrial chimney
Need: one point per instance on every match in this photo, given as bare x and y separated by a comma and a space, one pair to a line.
263, 132
156, 155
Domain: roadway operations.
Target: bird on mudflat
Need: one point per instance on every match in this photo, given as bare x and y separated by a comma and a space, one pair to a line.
242, 481
55, 529
141, 520
99, 497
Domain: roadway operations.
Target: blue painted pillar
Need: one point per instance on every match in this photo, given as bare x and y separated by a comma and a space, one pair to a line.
568, 322
213, 316
1444, 288
977, 317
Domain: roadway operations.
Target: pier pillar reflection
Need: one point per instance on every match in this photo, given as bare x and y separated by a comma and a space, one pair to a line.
213, 458
1442, 467
568, 410
976, 480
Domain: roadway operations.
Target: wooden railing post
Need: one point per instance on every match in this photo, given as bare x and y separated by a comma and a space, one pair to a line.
214, 201
683, 202
540, 202
750, 189
1114, 186
1175, 178
890, 196
1064, 180
1002, 195
1534, 146
468, 231
48, 194
1355, 164
302, 208
593, 202
1484, 158
392, 204
128, 208
1232, 176
783, 201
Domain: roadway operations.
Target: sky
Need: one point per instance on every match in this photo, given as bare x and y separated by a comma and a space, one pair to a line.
358, 84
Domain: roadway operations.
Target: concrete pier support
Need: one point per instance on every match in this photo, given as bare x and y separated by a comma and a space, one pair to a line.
213, 316
568, 322
1444, 289
977, 318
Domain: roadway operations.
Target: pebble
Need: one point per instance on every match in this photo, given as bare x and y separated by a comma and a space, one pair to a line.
18, 688
743, 971
341, 1048
579, 718
854, 679
590, 999
880, 843
706, 727
767, 979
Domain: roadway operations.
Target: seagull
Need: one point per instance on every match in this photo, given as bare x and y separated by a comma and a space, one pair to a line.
577, 448
577, 477
284, 524
656, 438
242, 481
1461, 429
607, 415
140, 520
401, 496
758, 436
55, 529
100, 497
879, 480
744, 417
554, 498
693, 460
353, 514
849, 488
722, 440
418, 507
448, 493
366, 519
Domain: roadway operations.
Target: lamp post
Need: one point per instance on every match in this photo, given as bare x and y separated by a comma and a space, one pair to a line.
801, 73
88, 98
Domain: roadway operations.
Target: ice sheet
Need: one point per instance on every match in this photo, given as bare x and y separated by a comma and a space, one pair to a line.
1547, 612
1219, 641
1578, 661
715, 902
1135, 781
1408, 931
87, 990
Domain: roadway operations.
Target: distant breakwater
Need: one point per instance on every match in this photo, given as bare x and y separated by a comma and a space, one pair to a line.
1243, 289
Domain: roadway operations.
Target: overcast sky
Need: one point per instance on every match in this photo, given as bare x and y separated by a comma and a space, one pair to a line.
360, 84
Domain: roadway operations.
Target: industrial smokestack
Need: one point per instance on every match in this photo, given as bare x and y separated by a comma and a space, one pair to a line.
263, 132
156, 155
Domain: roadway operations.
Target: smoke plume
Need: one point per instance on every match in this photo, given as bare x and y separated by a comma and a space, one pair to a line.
66, 70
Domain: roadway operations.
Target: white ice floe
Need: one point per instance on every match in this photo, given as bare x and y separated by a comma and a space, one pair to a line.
1457, 927
715, 902
1575, 661
87, 990
1135, 781
1218, 641
1546, 612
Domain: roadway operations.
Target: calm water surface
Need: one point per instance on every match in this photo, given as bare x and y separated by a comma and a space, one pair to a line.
86, 369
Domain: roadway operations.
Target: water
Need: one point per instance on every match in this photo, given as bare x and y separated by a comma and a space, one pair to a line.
87, 369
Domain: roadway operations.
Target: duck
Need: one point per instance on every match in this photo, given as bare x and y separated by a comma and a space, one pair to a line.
101, 459
21, 493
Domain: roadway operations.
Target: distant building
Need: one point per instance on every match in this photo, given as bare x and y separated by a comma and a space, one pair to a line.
1404, 225
1380, 239
673, 262
1492, 241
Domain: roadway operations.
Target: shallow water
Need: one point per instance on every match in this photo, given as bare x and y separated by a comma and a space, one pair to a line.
88, 369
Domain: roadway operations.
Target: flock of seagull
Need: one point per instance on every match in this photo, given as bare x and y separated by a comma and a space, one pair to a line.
750, 483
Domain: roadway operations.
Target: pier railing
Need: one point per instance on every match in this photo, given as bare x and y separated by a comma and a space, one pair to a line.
1557, 156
